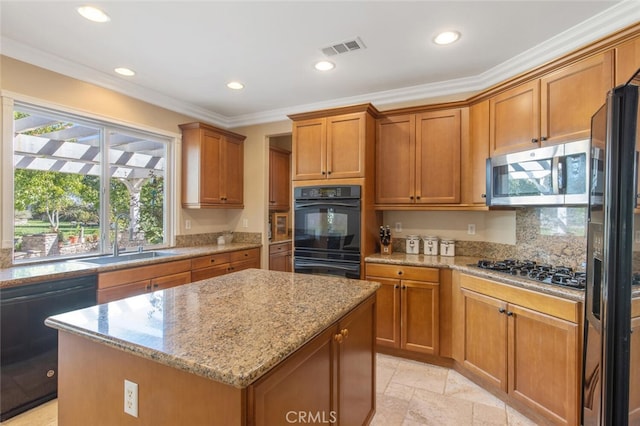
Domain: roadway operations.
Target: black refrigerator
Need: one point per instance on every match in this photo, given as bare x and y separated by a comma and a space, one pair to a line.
611, 346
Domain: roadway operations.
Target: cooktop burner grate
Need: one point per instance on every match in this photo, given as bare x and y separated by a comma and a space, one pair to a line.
556, 275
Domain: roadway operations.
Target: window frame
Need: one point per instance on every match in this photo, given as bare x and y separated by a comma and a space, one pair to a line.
11, 103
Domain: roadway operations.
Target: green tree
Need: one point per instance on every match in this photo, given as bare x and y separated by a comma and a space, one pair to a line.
45, 192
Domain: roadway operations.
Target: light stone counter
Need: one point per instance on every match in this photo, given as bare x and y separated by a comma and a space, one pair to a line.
36, 272
467, 264
231, 329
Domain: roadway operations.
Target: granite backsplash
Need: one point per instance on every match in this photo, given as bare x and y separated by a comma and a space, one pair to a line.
554, 235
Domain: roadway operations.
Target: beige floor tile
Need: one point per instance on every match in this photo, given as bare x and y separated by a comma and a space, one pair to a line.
400, 391
428, 408
421, 376
390, 411
44, 415
383, 376
486, 415
460, 387
387, 360
515, 418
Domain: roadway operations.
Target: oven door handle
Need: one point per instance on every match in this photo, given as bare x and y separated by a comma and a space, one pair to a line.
303, 264
303, 205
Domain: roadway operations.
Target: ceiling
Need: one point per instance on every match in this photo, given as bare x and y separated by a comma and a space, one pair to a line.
184, 52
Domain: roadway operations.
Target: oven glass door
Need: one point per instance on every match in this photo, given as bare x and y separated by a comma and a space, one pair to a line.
327, 225
323, 267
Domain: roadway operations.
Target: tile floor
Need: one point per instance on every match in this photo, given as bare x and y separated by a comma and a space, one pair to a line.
409, 393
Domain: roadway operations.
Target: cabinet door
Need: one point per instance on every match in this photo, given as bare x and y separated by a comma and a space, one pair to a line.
420, 316
514, 119
346, 146
309, 149
302, 384
571, 95
544, 363
388, 312
395, 160
279, 180
437, 156
627, 60
278, 262
485, 337
356, 365
233, 169
479, 134
210, 159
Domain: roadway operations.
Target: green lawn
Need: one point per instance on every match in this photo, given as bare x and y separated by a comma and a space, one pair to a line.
41, 226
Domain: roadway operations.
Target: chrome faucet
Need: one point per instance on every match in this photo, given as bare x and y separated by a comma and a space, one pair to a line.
116, 249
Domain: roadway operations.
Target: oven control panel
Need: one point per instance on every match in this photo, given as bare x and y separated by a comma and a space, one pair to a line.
319, 192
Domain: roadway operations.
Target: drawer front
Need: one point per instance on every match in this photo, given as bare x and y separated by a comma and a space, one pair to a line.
130, 275
214, 271
171, 280
402, 272
241, 255
123, 291
245, 264
280, 248
211, 260
558, 307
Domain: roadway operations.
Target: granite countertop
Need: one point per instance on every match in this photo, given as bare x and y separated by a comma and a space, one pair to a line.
231, 329
36, 272
467, 264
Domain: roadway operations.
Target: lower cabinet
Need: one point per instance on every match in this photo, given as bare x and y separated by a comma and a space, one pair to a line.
408, 307
135, 281
214, 265
522, 342
280, 258
329, 380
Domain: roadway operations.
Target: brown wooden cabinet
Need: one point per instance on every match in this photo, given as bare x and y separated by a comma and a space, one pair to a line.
214, 265
340, 363
408, 308
524, 343
212, 167
333, 144
553, 109
135, 281
280, 257
418, 158
479, 147
627, 60
279, 179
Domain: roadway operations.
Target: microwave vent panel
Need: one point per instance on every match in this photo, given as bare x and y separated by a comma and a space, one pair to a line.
344, 47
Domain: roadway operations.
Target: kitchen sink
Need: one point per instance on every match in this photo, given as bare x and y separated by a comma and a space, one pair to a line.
124, 257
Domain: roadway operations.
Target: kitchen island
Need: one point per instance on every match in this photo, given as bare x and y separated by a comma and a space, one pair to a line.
254, 347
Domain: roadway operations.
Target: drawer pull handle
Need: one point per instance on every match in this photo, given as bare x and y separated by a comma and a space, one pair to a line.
213, 260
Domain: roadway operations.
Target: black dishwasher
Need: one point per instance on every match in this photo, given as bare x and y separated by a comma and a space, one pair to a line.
28, 348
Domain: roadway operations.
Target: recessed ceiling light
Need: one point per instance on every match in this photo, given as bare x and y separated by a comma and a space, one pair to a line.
125, 71
324, 65
93, 14
446, 37
235, 85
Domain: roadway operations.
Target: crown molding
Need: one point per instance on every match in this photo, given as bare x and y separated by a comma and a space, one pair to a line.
617, 17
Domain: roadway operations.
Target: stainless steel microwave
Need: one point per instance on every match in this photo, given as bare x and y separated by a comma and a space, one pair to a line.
549, 176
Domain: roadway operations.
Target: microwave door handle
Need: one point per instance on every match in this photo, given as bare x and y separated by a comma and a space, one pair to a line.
557, 175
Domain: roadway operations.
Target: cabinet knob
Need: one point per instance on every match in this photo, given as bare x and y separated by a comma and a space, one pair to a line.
213, 260
544, 138
404, 287
534, 140
148, 287
418, 197
399, 272
329, 172
323, 172
502, 310
411, 197
344, 332
155, 285
483, 195
396, 286
509, 313
338, 338
272, 202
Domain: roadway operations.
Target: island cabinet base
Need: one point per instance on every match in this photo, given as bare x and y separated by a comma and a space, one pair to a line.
329, 380
91, 390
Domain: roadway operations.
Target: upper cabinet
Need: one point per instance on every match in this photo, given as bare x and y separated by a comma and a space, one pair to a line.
212, 167
476, 172
553, 109
418, 158
333, 144
627, 60
279, 179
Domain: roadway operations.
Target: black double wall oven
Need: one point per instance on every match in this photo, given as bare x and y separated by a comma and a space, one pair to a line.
327, 238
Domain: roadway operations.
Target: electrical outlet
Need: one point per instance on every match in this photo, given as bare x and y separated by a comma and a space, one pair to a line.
245, 223
131, 398
398, 226
471, 229
187, 224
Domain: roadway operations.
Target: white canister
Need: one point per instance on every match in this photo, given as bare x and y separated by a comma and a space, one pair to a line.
413, 244
447, 248
430, 245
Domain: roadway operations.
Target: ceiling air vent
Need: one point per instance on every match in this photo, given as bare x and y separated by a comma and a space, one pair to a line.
344, 47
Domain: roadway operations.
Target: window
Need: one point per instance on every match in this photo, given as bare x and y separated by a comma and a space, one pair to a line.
77, 180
